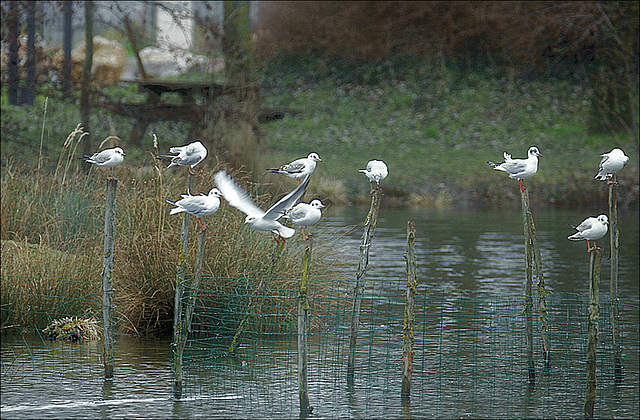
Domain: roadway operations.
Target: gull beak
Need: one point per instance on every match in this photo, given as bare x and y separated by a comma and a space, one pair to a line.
540, 154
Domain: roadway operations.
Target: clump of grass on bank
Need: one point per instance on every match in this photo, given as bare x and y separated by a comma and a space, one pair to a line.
57, 234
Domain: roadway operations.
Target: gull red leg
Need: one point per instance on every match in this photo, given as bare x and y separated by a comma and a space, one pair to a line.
202, 225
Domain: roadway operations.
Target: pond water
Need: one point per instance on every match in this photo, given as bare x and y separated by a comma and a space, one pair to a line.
463, 256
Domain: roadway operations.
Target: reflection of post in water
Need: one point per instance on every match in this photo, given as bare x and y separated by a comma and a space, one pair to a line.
614, 239
369, 229
409, 312
592, 340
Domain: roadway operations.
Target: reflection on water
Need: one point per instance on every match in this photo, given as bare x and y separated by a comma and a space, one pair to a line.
469, 337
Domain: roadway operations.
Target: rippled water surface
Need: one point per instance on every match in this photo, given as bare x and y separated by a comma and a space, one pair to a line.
470, 269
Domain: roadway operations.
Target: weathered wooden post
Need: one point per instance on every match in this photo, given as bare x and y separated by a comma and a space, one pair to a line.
592, 341
528, 300
614, 239
542, 293
369, 229
107, 279
303, 314
176, 365
409, 311
184, 324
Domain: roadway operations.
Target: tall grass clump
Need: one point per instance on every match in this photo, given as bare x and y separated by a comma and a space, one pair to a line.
52, 236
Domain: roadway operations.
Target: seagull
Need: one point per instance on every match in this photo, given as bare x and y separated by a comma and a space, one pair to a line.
611, 163
299, 168
304, 214
108, 158
376, 171
198, 205
591, 229
519, 169
189, 155
256, 217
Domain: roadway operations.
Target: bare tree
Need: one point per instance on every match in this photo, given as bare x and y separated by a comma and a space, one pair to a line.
28, 93
13, 23
85, 108
68, 37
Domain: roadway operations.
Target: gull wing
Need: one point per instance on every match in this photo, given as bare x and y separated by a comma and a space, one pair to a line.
586, 224
235, 195
296, 166
277, 210
103, 156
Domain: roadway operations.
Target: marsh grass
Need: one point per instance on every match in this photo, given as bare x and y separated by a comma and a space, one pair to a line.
52, 245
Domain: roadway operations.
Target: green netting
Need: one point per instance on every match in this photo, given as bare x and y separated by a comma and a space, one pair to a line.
470, 353
29, 306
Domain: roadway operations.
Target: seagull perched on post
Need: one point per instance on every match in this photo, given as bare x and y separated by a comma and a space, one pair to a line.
611, 163
591, 229
189, 155
299, 168
376, 171
198, 205
519, 169
108, 158
305, 214
256, 217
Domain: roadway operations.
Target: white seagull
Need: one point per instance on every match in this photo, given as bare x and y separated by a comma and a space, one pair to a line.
256, 217
376, 171
591, 229
299, 168
519, 169
189, 155
108, 158
305, 214
611, 163
198, 205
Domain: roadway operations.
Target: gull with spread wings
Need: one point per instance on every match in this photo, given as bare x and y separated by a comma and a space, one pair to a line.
256, 217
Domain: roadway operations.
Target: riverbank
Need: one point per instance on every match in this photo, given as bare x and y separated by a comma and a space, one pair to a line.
436, 128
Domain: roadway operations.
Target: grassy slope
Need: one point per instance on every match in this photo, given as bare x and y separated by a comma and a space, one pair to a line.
437, 135
435, 128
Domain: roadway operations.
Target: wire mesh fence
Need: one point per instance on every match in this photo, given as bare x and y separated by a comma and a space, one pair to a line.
470, 351
49, 327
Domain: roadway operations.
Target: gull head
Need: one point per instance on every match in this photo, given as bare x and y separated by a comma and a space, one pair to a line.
119, 151
603, 219
314, 157
533, 151
316, 204
215, 193
249, 220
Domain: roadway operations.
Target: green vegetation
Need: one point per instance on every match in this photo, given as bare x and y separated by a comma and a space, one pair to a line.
437, 129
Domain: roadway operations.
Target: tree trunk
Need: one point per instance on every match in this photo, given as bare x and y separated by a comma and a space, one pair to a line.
86, 76
14, 72
68, 38
28, 94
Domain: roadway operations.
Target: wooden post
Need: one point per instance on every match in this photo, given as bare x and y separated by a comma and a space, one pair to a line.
176, 365
528, 305
107, 279
614, 239
542, 293
184, 325
369, 229
409, 311
303, 314
594, 308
